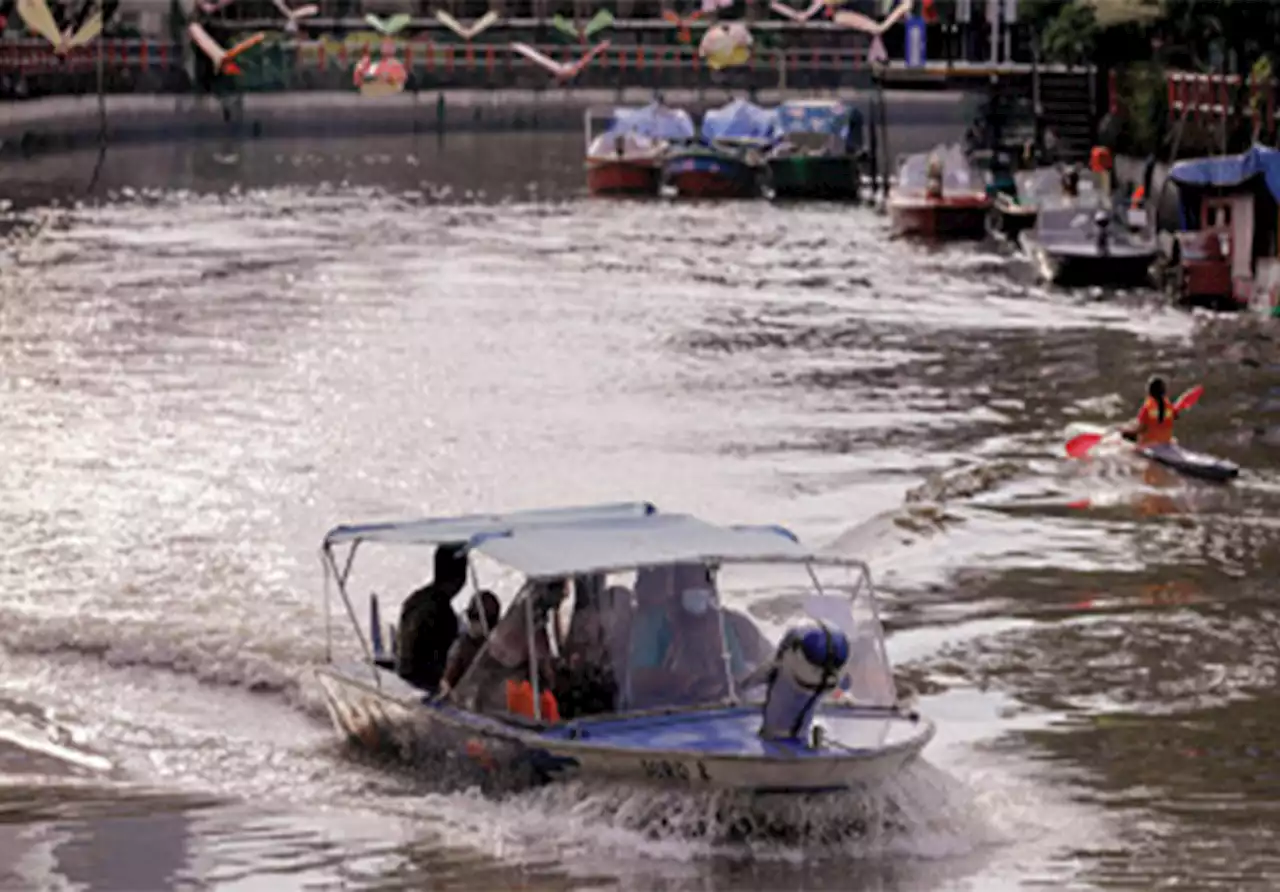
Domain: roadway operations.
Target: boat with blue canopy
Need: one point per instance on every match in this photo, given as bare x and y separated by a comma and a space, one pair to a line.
626, 158
817, 154
730, 156
621, 655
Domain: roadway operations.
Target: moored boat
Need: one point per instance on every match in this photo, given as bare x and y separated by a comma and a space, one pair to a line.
939, 195
817, 153
728, 161
1011, 215
685, 691
1225, 252
1080, 245
626, 159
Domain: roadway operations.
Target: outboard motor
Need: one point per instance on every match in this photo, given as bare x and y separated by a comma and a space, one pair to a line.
806, 667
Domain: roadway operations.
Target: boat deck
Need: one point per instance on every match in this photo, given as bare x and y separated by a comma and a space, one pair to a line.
735, 732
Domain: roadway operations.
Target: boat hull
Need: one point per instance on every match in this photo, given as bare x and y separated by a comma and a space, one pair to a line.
626, 176
825, 178
714, 748
711, 175
1060, 266
1009, 220
1192, 464
959, 217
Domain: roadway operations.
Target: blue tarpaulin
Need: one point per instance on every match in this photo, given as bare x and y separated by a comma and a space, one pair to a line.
739, 119
1231, 170
655, 121
813, 117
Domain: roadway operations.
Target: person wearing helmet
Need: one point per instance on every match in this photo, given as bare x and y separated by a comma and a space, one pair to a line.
1154, 424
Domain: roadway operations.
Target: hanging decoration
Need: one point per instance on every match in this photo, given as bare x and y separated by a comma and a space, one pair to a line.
223, 60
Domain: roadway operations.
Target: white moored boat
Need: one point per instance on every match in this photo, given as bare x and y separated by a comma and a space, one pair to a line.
686, 690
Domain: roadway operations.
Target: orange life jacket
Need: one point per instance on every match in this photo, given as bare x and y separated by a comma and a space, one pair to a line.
520, 701
1151, 430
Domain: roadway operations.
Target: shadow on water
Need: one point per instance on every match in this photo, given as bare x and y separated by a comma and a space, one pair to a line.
227, 348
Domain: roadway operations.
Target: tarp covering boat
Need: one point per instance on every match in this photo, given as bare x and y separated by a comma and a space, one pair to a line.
739, 120
959, 174
655, 121
1231, 170
824, 116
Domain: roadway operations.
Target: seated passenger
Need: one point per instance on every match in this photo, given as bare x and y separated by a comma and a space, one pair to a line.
481, 619
428, 625
506, 654
585, 680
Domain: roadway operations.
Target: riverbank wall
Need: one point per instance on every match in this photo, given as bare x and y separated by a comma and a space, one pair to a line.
65, 123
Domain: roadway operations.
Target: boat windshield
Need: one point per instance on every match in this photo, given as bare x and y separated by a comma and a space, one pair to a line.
1043, 187
665, 637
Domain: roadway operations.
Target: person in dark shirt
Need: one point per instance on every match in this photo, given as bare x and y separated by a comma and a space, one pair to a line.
482, 615
428, 625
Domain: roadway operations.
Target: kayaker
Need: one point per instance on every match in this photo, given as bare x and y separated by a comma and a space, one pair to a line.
428, 625
1154, 424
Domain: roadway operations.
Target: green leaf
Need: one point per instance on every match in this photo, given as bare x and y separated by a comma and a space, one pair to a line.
398, 22
564, 26
601, 20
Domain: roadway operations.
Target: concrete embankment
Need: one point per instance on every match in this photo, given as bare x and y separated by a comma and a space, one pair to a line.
58, 123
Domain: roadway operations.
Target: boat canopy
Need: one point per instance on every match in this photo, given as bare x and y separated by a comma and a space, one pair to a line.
739, 120
625, 543
655, 121
1230, 171
466, 527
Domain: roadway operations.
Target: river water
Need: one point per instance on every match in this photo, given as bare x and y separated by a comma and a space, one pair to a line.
213, 354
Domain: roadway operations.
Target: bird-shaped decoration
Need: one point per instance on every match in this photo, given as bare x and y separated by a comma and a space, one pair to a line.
796, 15
389, 26
684, 23
36, 16
562, 72
223, 60
601, 20
468, 32
293, 16
725, 45
862, 23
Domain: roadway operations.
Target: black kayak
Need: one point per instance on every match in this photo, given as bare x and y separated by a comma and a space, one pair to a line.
1193, 464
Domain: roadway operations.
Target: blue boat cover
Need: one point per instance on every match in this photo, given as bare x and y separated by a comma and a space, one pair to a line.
656, 121
1231, 170
821, 116
739, 119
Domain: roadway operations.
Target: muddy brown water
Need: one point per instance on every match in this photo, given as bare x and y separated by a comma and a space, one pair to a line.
214, 353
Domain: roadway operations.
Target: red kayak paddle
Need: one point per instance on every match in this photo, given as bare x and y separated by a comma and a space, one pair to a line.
1080, 446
